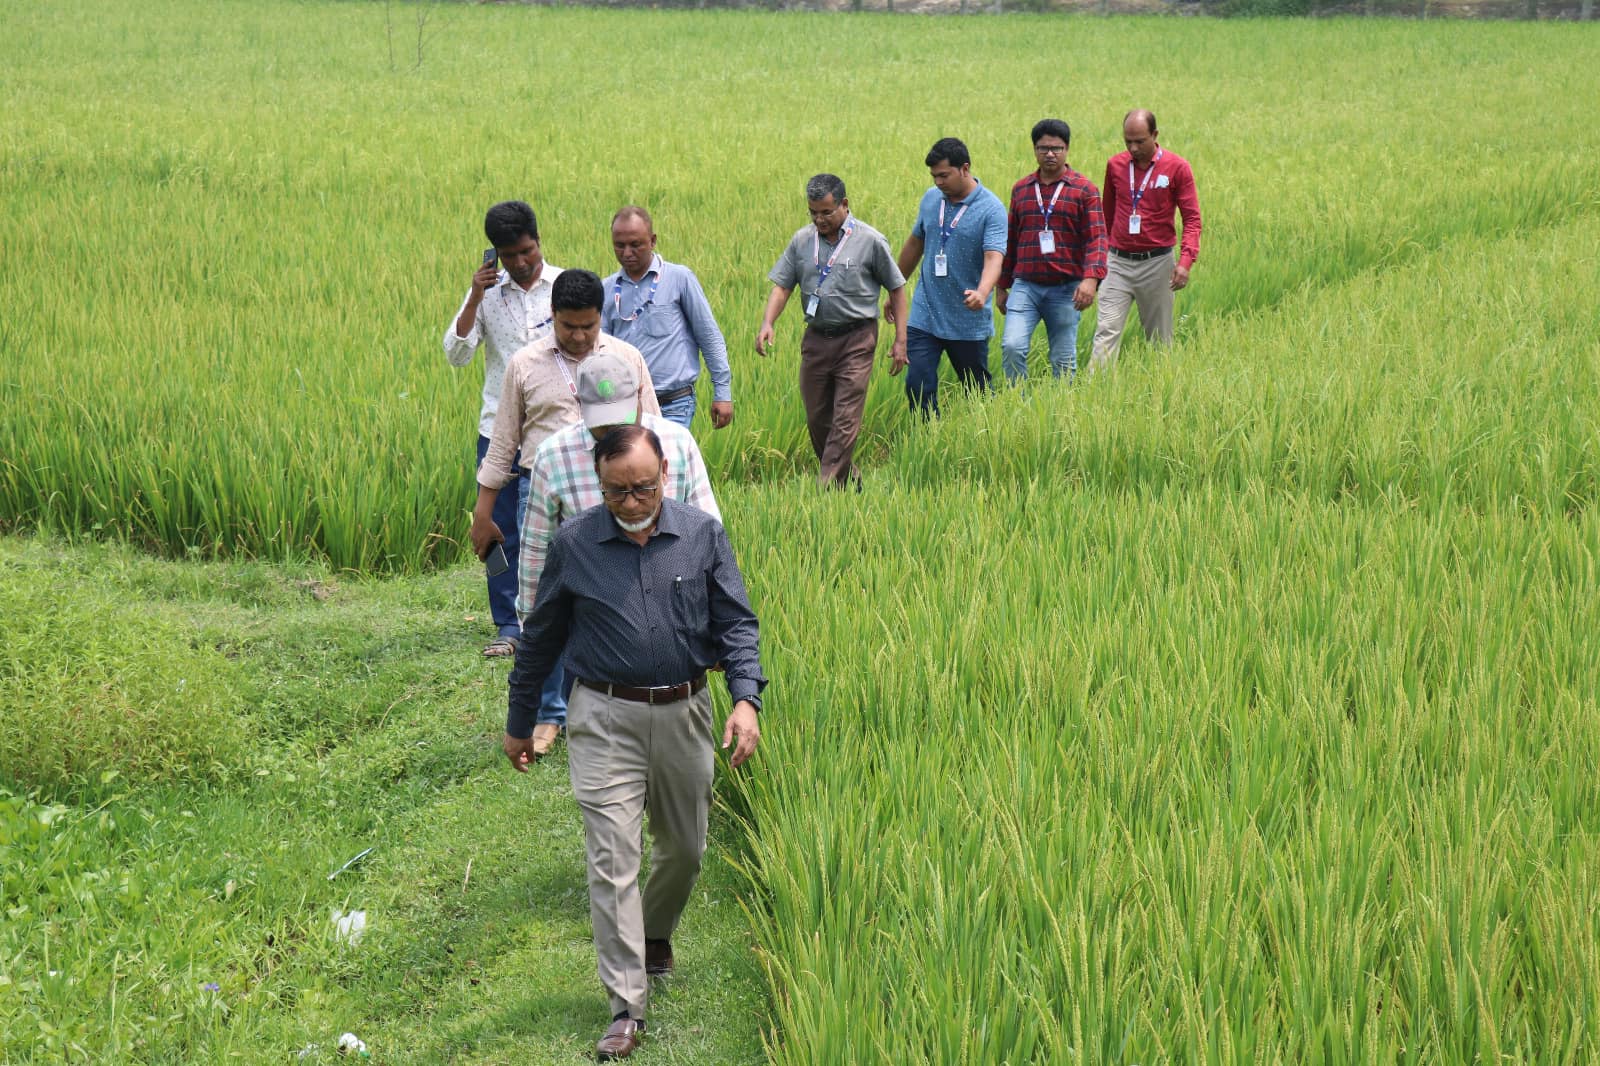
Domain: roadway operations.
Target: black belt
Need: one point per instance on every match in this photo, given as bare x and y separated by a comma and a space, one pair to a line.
654, 694
665, 398
1139, 257
840, 330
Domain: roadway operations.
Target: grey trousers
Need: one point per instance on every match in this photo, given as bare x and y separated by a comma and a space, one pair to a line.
1148, 283
625, 757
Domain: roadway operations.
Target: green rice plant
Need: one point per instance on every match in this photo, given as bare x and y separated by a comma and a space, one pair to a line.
259, 264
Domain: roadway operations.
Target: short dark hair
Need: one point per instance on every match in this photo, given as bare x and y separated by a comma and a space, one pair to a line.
822, 185
622, 439
948, 150
508, 221
1052, 127
576, 290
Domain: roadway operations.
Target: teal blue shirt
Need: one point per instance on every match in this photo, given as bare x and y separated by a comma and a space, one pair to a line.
936, 305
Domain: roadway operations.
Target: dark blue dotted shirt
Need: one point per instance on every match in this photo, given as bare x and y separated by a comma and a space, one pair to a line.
657, 614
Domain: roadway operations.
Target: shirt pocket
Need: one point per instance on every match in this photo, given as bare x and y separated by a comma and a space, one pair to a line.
662, 321
691, 611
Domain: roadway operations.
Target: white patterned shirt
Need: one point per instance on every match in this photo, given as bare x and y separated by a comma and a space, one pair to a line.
508, 318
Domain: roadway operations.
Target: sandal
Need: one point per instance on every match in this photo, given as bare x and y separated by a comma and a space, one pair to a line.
500, 648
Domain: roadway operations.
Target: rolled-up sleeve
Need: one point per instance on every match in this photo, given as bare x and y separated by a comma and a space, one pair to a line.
497, 469
734, 628
459, 350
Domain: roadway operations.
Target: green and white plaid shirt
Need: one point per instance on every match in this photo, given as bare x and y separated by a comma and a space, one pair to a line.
562, 484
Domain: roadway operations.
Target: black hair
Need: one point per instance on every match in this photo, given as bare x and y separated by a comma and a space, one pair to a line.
508, 221
577, 290
622, 439
1052, 127
824, 185
948, 150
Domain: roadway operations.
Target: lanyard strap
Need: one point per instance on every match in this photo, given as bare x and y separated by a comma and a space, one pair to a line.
1037, 195
824, 269
1138, 194
561, 362
616, 298
944, 233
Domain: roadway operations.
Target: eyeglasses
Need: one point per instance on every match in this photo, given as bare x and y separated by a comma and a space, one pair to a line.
638, 492
1049, 149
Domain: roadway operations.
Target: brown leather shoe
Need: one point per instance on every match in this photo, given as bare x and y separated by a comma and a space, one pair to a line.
545, 736
620, 1040
657, 958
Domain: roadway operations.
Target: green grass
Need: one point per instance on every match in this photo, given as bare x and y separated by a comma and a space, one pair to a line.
1236, 707
363, 717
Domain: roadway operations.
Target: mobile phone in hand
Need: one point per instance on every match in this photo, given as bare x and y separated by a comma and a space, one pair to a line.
495, 563
489, 256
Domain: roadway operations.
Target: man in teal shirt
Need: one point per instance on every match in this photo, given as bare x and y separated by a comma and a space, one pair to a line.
960, 240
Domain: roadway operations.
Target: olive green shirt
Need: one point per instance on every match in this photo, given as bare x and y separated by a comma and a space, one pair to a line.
863, 267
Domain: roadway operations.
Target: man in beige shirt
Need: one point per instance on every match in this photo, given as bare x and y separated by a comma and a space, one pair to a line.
538, 397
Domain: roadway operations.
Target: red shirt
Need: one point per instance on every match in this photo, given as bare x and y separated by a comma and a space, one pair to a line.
1076, 222
1155, 206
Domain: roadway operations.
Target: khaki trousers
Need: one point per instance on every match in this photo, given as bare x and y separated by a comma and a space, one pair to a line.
625, 757
1149, 283
834, 374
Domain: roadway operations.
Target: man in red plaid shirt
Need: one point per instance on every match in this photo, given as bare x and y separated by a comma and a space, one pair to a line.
1055, 255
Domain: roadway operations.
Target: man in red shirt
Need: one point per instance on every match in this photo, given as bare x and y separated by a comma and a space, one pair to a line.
1143, 186
1055, 255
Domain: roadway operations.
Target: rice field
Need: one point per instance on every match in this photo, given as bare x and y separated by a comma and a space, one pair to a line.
1236, 707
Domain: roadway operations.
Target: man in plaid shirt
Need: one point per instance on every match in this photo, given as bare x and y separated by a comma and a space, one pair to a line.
1055, 255
563, 484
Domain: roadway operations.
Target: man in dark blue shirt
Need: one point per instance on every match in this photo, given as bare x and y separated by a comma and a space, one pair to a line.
644, 595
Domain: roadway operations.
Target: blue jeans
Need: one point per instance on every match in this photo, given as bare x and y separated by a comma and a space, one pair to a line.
1027, 304
970, 359
553, 696
507, 515
508, 508
680, 411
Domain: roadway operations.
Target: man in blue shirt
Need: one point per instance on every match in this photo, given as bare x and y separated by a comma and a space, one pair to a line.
960, 240
660, 309
642, 596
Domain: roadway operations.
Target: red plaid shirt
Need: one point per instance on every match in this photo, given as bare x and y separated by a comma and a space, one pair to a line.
1078, 225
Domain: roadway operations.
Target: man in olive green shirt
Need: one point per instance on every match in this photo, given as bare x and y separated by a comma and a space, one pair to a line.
840, 265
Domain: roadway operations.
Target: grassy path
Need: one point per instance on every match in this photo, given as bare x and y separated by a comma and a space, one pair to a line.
355, 714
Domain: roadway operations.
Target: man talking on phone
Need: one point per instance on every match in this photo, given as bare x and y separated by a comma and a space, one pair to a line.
507, 305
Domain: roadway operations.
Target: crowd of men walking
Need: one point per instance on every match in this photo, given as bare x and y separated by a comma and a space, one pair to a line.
611, 581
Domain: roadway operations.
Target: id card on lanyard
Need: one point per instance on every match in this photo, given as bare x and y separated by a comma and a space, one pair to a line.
1138, 194
616, 298
941, 265
824, 269
1047, 240
561, 363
